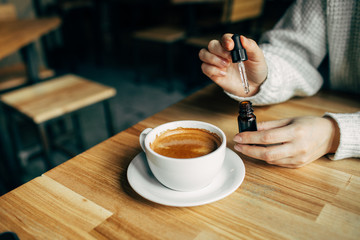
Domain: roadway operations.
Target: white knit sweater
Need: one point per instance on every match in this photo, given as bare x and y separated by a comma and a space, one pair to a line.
309, 31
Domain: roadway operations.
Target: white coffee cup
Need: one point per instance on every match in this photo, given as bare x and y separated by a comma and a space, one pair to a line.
189, 174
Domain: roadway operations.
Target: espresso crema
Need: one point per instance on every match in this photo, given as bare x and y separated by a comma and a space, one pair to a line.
186, 143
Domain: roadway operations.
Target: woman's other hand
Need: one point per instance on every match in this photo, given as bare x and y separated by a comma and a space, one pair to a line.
292, 142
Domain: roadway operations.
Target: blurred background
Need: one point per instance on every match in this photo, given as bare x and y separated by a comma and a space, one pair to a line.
146, 50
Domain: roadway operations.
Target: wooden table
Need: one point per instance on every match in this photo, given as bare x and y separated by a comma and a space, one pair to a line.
20, 35
89, 197
15, 34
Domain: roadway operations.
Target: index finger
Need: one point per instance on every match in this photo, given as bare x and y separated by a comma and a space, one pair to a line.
270, 136
273, 124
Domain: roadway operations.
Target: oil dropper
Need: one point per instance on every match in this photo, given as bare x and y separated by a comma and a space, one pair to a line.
238, 55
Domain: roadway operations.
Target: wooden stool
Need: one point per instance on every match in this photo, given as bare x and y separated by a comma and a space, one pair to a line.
49, 100
162, 34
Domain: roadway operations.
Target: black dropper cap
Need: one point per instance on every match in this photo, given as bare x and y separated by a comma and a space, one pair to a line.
238, 53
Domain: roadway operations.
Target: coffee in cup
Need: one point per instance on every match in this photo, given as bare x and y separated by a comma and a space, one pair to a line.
173, 164
185, 143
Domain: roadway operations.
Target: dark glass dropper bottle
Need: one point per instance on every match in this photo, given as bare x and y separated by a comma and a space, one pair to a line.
246, 118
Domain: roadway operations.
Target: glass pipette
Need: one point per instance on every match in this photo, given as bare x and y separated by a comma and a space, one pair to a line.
238, 55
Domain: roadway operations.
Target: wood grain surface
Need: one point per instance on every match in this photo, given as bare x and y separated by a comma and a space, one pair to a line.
15, 34
89, 197
56, 97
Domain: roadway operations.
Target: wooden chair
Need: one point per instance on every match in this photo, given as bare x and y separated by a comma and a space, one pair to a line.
7, 12
167, 35
44, 102
239, 10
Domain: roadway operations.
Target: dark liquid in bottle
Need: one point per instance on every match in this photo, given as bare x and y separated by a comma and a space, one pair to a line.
246, 118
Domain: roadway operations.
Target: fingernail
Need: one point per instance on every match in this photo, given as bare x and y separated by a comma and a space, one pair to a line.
244, 38
237, 139
222, 73
224, 63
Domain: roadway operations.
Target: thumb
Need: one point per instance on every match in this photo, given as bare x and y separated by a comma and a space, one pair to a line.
253, 51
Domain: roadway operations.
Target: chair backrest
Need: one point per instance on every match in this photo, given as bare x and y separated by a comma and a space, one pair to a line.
239, 10
7, 12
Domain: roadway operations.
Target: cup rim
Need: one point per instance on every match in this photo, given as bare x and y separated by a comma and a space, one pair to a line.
223, 139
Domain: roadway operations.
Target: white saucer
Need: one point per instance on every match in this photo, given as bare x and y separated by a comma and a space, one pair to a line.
226, 182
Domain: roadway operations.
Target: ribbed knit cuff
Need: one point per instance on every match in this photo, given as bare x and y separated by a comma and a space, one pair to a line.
282, 83
349, 125
267, 89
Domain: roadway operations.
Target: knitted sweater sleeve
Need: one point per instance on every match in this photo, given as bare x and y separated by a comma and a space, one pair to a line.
349, 125
293, 51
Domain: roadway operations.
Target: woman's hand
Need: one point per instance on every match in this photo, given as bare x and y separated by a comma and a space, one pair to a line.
218, 66
298, 141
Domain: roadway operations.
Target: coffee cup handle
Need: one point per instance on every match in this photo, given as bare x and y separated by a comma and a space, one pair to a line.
142, 137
